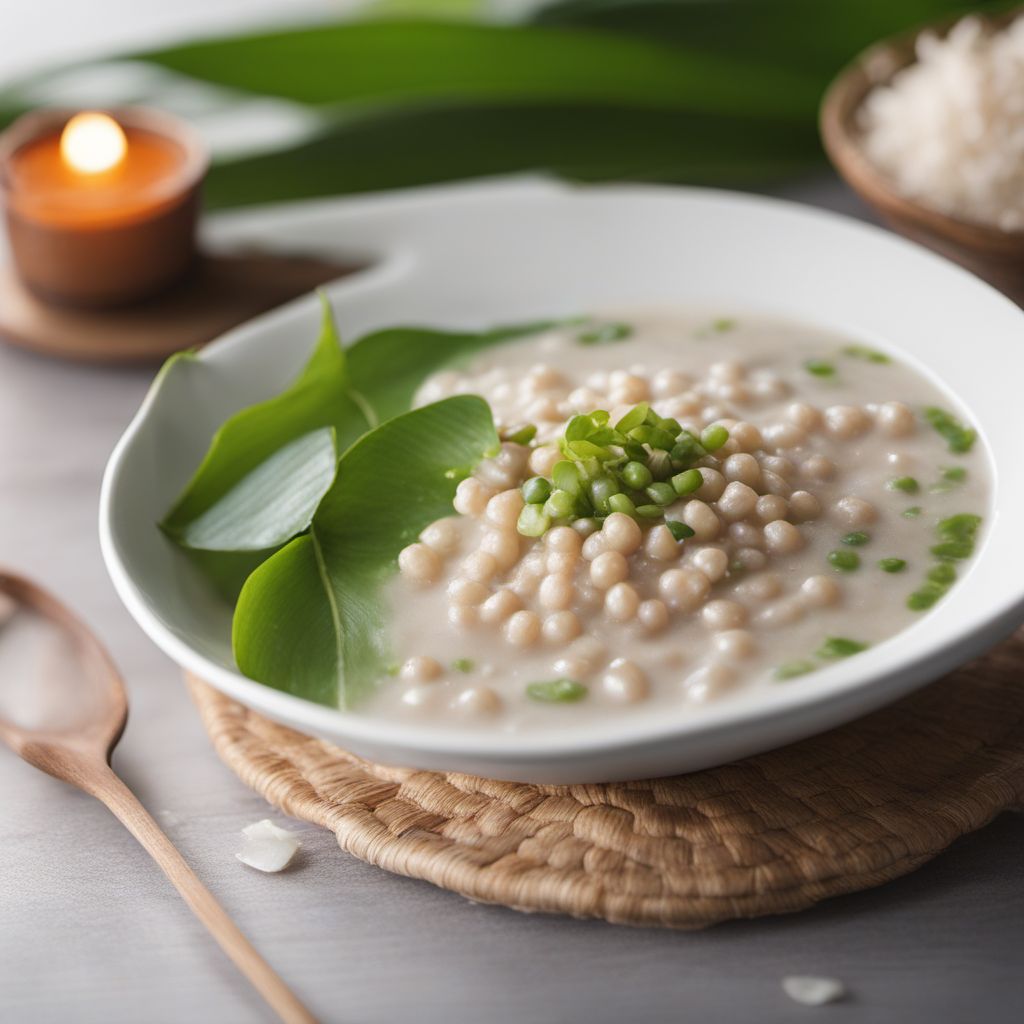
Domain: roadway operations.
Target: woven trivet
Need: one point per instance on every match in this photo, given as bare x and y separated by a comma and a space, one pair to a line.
843, 811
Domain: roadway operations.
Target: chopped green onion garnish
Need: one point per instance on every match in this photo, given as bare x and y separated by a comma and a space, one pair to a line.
601, 490
871, 355
566, 477
844, 561
661, 493
524, 435
792, 669
654, 436
605, 334
679, 530
954, 473
560, 505
713, 437
912, 513
634, 418
856, 539
723, 324
819, 367
892, 565
688, 481
557, 691
840, 647
958, 436
636, 475
925, 597
536, 491
942, 573
463, 664
533, 521
953, 550
621, 503
906, 484
650, 511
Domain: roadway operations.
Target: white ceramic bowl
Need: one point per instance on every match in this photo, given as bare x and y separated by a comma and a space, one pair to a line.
483, 255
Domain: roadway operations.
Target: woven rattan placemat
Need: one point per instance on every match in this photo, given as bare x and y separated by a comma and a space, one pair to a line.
843, 811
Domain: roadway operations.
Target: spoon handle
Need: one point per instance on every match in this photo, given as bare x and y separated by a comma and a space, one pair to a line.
109, 788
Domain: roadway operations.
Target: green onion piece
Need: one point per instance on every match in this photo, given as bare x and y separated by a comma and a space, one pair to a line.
956, 474
953, 550
844, 561
463, 664
654, 436
840, 647
605, 436
687, 449
713, 437
906, 484
566, 477
688, 481
578, 428
792, 669
856, 539
536, 490
925, 597
819, 367
586, 525
912, 513
661, 494
561, 505
636, 475
605, 334
679, 530
635, 452
392, 668
673, 426
557, 691
958, 436
533, 521
943, 573
589, 450
622, 503
649, 511
871, 355
601, 490
600, 417
524, 435
660, 465
723, 324
963, 526
634, 418
892, 565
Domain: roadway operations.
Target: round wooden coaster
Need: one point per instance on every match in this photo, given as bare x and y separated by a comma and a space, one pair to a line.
776, 833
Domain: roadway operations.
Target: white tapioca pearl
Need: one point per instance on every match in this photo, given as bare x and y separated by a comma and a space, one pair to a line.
419, 563
609, 568
714, 484
560, 627
564, 539
652, 615
584, 400
746, 535
621, 602
804, 505
420, 669
782, 537
746, 437
522, 628
762, 587
686, 404
625, 682
803, 416
479, 566
751, 559
593, 546
466, 592
853, 511
895, 419
772, 483
817, 467
670, 382
733, 394
598, 380
502, 546
513, 458
846, 421
628, 388
702, 520
661, 545
727, 369
767, 385
781, 613
723, 614
734, 644
444, 536
708, 682
544, 409
779, 465
564, 562
556, 592
684, 589
586, 527
712, 414
463, 616
820, 591
420, 697
498, 607
784, 435
771, 506
589, 650
742, 468
478, 701
568, 667
471, 497
542, 375
525, 582
621, 533
543, 459
504, 508
737, 501
712, 562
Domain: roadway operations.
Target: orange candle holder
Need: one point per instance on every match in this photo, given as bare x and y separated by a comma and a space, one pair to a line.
101, 209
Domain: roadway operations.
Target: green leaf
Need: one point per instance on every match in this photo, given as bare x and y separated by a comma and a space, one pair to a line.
310, 620
272, 503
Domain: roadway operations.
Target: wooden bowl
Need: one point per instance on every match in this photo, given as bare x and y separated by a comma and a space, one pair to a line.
991, 253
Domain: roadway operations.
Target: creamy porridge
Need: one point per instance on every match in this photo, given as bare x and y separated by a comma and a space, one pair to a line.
683, 510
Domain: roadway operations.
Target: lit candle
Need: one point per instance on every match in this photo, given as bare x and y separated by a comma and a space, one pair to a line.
101, 208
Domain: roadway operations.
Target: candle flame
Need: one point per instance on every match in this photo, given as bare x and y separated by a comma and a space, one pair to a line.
92, 143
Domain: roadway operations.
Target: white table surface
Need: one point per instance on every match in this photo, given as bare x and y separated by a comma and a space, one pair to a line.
91, 932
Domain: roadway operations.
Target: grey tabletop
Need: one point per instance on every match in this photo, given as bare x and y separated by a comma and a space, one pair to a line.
91, 932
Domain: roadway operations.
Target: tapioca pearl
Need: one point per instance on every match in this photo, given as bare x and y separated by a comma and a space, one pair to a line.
598, 380
609, 568
804, 417
563, 539
463, 616
846, 421
502, 546
661, 545
667, 383
556, 592
708, 682
711, 414
560, 627
782, 613
522, 628
502, 392
420, 669
733, 394
499, 606
737, 501
761, 587
543, 459
772, 483
820, 591
621, 602
480, 566
734, 644
625, 682
723, 614
466, 592
621, 533
584, 400
590, 651
731, 370
746, 535
702, 519
817, 467
569, 667
561, 562
767, 385
895, 419
544, 376
782, 537
627, 388
504, 508
525, 582
513, 458
712, 562
593, 546
784, 435
544, 408
770, 507
804, 506
444, 536
742, 468
586, 527
652, 615
471, 497
420, 697
779, 465
684, 589
713, 486
420, 563
478, 702
686, 404
853, 511
750, 559
746, 437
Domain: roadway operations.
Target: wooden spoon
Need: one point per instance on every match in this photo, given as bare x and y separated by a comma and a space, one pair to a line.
63, 708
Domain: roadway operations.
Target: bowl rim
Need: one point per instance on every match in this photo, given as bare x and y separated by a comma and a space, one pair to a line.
978, 628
